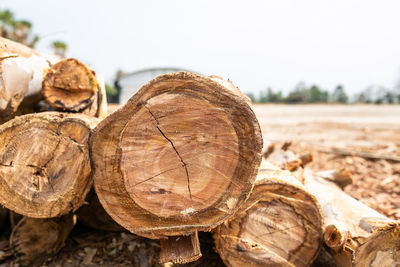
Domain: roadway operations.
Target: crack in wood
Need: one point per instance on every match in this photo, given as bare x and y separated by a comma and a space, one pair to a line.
184, 165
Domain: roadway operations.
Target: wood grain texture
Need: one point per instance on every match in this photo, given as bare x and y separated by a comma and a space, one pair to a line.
180, 249
70, 85
44, 163
279, 225
35, 240
179, 157
356, 234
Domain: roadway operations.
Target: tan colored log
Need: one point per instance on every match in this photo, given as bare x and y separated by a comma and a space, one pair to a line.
44, 163
280, 224
356, 234
35, 240
93, 215
21, 75
180, 249
70, 85
179, 157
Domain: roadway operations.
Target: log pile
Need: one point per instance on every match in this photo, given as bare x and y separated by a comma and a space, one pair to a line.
183, 155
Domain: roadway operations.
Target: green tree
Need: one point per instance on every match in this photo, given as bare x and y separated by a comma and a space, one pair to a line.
339, 95
59, 48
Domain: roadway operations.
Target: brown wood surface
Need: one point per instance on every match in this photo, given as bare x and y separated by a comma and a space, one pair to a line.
279, 225
179, 157
44, 163
356, 234
180, 249
69, 85
35, 240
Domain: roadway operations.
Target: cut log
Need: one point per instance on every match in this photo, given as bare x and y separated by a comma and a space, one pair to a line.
356, 234
44, 163
35, 240
21, 75
280, 224
179, 157
93, 215
71, 86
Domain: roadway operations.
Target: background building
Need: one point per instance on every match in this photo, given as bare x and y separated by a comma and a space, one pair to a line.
129, 83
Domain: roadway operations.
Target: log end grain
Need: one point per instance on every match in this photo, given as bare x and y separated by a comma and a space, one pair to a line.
34, 240
44, 163
180, 156
70, 85
280, 226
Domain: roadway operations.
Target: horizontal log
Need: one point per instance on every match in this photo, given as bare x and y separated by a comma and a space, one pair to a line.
279, 225
356, 234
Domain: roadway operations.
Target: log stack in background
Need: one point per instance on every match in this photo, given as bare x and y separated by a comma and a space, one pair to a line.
179, 157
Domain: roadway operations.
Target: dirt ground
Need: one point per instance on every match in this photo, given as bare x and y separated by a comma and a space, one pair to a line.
315, 128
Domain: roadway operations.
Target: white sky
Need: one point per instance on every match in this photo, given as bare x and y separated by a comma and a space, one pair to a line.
256, 44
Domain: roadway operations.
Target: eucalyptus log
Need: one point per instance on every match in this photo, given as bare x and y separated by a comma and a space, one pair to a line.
356, 234
70, 85
279, 225
33, 241
44, 163
93, 215
21, 75
179, 157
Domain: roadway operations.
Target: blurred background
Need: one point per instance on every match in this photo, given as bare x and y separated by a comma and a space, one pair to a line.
274, 51
324, 78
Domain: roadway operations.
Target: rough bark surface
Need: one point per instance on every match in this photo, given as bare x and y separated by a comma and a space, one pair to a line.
280, 224
180, 249
44, 163
179, 157
356, 234
35, 240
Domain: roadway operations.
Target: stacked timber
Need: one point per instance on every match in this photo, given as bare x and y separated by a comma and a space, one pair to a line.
279, 225
355, 234
27, 77
180, 157
45, 169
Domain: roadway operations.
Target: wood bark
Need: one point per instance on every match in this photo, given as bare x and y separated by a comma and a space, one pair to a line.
180, 249
93, 215
279, 225
35, 240
70, 85
356, 234
21, 75
3, 218
179, 157
44, 163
